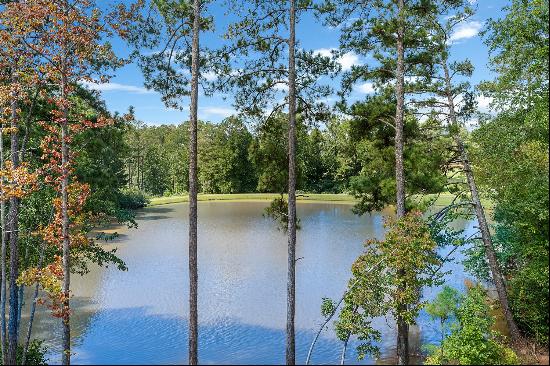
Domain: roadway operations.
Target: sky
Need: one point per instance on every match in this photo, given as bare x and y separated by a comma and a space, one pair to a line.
126, 87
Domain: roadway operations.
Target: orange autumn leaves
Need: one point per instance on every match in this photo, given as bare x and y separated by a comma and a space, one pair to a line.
16, 182
49, 278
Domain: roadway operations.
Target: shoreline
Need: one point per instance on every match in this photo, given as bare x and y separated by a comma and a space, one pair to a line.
345, 199
255, 197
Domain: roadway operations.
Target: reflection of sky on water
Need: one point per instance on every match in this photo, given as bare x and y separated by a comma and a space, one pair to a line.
140, 316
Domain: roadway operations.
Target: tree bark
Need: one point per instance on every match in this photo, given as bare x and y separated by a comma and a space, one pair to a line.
4, 342
193, 267
402, 326
291, 281
66, 335
13, 219
480, 213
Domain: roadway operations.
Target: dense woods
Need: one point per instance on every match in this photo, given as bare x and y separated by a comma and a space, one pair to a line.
69, 166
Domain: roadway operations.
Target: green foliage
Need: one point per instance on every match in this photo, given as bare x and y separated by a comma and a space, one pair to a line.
317, 163
224, 164
445, 304
471, 340
518, 43
327, 306
372, 138
278, 211
155, 168
100, 160
377, 287
132, 199
161, 37
36, 354
93, 252
256, 65
166, 145
510, 152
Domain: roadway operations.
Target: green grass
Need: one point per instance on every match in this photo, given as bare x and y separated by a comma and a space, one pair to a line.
443, 200
255, 197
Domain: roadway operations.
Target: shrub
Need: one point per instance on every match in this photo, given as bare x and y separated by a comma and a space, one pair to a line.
471, 340
132, 199
36, 354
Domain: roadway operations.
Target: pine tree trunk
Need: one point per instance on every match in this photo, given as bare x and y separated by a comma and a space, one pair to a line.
66, 335
291, 280
480, 213
4, 343
14, 250
402, 326
193, 267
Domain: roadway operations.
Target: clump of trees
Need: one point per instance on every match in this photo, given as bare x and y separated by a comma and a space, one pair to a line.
56, 151
67, 165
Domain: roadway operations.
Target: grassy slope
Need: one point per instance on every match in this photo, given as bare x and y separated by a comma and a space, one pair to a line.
444, 199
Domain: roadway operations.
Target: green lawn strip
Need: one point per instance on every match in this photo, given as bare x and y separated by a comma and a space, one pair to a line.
443, 199
314, 197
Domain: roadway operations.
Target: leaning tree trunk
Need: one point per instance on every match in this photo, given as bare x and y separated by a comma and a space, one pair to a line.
13, 225
193, 267
3, 287
291, 280
402, 326
480, 213
66, 335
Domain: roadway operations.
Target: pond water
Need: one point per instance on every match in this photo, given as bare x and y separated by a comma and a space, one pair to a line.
140, 316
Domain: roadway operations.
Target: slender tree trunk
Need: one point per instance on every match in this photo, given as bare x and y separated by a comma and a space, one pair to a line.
4, 280
66, 336
402, 326
480, 213
193, 267
21, 296
291, 281
21, 293
344, 349
13, 219
33, 308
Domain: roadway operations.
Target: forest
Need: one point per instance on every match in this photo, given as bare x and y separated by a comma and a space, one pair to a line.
418, 149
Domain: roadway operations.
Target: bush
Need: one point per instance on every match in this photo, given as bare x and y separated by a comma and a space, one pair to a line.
36, 355
132, 199
528, 292
471, 340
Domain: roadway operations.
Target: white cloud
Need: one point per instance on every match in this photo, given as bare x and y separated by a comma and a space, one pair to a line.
484, 103
117, 87
216, 111
466, 30
281, 86
325, 52
210, 76
365, 88
347, 60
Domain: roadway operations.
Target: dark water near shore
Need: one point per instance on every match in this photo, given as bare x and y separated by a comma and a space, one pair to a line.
140, 316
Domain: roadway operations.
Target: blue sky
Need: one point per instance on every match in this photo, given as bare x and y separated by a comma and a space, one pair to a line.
126, 88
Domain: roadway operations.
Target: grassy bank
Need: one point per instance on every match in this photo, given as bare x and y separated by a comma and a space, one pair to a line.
443, 200
258, 197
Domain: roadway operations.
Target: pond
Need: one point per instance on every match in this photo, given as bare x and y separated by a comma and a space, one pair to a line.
140, 316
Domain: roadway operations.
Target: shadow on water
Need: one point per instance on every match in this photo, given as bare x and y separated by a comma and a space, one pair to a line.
157, 209
112, 337
155, 213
